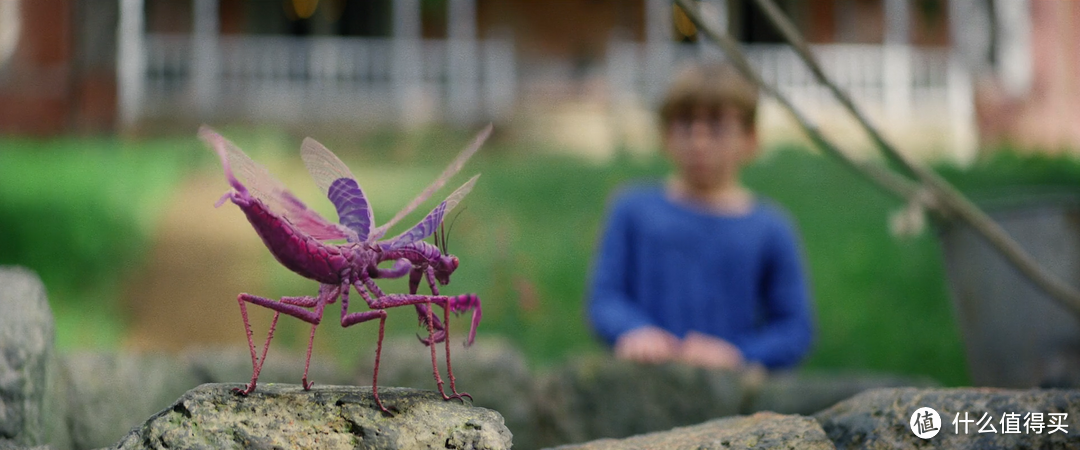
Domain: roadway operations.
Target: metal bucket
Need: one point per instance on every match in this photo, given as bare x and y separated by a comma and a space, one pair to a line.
1015, 335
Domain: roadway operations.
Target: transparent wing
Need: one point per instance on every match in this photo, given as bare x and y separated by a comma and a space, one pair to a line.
450, 171
340, 186
258, 181
428, 224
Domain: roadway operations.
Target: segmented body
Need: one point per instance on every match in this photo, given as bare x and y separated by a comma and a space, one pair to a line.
298, 251
418, 252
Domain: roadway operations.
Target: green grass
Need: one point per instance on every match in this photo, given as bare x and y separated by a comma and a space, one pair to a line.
80, 213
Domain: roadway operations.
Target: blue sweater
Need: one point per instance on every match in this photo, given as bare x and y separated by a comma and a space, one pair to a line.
669, 265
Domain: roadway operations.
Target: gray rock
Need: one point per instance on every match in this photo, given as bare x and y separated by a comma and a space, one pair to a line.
806, 393
764, 430
8, 445
28, 371
112, 392
878, 419
492, 371
286, 416
606, 398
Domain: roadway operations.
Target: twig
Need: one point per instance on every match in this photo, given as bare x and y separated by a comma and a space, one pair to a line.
947, 199
884, 179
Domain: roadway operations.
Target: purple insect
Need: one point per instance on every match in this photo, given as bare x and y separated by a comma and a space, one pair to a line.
299, 238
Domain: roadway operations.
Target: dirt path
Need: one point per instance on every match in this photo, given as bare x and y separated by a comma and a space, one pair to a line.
201, 258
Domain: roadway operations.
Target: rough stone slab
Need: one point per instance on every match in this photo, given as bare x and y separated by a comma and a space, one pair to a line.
492, 370
27, 368
764, 430
604, 397
329, 417
807, 392
109, 393
878, 419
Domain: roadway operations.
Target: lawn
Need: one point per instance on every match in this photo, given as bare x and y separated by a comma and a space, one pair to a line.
81, 211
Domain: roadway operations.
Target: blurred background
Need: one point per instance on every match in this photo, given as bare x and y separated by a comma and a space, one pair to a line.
106, 192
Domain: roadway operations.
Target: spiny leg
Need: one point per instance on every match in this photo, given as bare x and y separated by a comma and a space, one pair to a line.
288, 305
256, 362
429, 318
434, 357
446, 342
423, 312
326, 293
457, 303
349, 319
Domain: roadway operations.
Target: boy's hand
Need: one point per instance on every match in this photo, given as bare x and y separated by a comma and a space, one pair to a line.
709, 351
647, 345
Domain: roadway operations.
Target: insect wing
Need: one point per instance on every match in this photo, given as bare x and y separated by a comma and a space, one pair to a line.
340, 186
429, 223
272, 192
311, 222
441, 180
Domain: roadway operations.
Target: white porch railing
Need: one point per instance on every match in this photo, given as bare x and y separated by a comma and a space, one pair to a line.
387, 80
325, 79
898, 85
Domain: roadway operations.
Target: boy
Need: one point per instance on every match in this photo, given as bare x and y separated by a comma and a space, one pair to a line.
698, 270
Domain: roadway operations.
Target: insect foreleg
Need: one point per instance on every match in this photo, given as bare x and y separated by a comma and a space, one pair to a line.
429, 275
400, 268
436, 331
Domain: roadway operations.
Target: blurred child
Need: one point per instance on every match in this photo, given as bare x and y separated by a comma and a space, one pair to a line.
699, 269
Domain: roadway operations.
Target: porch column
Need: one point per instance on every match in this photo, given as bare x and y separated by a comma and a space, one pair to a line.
659, 51
205, 57
714, 12
407, 64
1013, 42
130, 62
897, 61
463, 62
970, 26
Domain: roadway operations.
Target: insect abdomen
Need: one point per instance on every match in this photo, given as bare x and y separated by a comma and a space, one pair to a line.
294, 249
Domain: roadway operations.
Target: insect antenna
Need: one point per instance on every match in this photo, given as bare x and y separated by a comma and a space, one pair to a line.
441, 244
446, 233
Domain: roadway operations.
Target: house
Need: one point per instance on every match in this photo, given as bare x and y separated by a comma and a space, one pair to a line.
84, 65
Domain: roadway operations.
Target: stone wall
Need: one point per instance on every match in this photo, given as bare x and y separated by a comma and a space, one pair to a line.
92, 400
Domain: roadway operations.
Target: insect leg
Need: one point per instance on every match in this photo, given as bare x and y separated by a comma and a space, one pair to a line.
256, 362
465, 302
325, 292
430, 276
294, 310
292, 306
427, 317
434, 358
400, 268
423, 310
349, 319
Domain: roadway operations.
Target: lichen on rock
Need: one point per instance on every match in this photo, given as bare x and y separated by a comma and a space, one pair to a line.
285, 415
